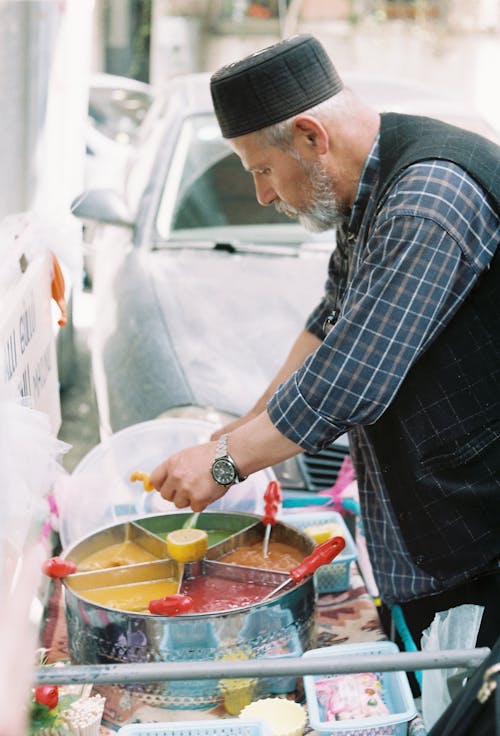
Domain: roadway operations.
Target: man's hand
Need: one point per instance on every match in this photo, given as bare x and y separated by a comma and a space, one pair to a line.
185, 478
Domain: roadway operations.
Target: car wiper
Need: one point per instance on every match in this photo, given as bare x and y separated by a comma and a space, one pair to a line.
227, 247
257, 248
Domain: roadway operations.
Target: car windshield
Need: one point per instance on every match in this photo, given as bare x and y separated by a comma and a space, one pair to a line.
208, 195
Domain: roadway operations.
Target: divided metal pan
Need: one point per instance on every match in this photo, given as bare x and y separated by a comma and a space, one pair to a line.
280, 626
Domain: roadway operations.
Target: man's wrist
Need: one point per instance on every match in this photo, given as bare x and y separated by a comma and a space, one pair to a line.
224, 469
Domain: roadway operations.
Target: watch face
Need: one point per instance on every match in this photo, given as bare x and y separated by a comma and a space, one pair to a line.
223, 471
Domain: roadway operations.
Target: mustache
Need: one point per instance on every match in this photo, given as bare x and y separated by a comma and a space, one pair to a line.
286, 209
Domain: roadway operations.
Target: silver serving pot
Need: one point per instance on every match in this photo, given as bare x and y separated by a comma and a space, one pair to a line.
281, 626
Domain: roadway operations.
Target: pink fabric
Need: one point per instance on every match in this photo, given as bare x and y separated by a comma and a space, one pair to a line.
345, 477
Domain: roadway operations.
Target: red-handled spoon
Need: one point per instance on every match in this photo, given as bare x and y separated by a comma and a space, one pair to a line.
171, 605
323, 554
57, 567
272, 500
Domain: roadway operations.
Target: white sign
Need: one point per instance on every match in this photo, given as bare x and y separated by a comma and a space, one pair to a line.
28, 342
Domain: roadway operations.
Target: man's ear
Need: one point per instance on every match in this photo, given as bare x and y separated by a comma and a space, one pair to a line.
311, 136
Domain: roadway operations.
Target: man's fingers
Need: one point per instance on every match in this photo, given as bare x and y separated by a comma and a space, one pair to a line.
180, 500
198, 506
159, 477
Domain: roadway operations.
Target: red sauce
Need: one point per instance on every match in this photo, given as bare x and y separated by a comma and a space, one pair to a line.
211, 593
280, 556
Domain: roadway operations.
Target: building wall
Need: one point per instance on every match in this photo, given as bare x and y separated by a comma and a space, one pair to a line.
44, 67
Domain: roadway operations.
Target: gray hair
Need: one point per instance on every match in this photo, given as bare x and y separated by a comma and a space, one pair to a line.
280, 135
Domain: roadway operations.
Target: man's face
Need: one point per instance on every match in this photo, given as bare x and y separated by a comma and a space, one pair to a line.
321, 210
298, 188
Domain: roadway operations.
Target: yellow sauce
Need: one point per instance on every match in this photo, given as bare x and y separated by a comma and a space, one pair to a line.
280, 556
134, 597
116, 555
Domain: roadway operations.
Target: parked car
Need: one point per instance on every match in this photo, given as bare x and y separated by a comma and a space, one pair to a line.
118, 107
199, 290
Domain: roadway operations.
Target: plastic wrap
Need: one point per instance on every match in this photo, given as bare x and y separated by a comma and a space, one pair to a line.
29, 455
32, 234
100, 493
456, 628
29, 462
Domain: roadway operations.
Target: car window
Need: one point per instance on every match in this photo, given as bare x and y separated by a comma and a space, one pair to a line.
207, 187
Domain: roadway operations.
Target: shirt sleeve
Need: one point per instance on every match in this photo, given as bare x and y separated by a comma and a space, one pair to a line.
414, 274
338, 269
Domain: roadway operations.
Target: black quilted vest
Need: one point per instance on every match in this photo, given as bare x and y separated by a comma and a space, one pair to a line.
438, 443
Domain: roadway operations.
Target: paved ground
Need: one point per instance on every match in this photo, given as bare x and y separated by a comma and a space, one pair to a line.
79, 415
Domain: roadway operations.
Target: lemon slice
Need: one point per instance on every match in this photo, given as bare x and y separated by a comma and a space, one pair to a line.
187, 545
322, 532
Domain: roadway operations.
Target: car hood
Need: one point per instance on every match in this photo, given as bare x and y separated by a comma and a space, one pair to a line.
195, 327
232, 318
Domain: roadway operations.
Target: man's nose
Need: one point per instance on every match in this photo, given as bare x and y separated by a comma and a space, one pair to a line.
264, 192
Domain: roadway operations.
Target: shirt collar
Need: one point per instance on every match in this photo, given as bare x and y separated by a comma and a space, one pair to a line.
367, 184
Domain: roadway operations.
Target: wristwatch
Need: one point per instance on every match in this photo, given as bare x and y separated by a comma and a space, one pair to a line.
224, 469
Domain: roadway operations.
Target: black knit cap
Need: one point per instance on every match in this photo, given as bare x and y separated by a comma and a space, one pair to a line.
272, 85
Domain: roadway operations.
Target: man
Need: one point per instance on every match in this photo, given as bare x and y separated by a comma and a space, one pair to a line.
403, 351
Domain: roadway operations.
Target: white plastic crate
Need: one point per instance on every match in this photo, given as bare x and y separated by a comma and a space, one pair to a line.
219, 727
396, 695
335, 577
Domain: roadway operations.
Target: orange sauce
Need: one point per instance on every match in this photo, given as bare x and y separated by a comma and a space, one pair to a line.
116, 555
134, 597
280, 556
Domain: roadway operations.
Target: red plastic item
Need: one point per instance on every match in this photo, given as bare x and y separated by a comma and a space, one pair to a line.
272, 500
57, 291
171, 605
47, 695
321, 555
57, 567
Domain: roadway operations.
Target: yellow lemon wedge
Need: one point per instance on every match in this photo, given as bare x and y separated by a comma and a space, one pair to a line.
187, 545
322, 532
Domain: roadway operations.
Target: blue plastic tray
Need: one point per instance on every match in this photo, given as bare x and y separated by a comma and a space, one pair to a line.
219, 727
396, 694
335, 577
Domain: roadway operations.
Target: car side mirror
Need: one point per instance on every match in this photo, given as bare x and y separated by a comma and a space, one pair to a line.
102, 205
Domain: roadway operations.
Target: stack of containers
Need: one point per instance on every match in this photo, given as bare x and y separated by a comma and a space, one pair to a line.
334, 577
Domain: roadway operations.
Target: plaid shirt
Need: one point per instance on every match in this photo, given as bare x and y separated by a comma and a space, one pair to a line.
397, 280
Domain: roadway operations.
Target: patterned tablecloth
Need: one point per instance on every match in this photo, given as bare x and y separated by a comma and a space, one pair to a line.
350, 616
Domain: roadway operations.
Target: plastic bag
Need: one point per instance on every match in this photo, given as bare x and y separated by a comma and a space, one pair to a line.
29, 461
33, 234
100, 493
456, 628
18, 635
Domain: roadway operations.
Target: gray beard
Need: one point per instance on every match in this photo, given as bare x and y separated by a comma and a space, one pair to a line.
324, 211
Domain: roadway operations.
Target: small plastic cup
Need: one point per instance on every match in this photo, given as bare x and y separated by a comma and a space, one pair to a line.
284, 717
237, 693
